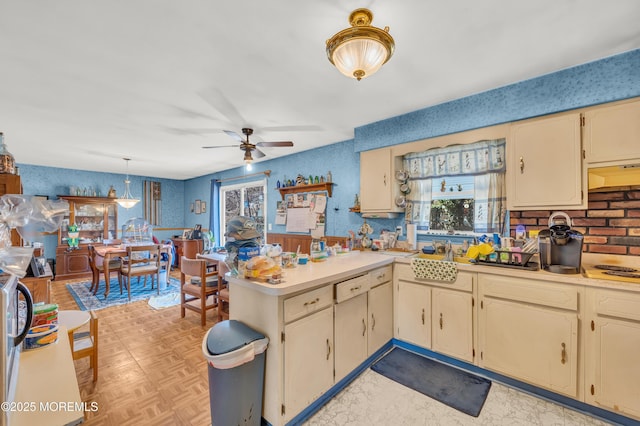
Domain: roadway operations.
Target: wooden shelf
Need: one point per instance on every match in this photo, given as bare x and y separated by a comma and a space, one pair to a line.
326, 186
354, 209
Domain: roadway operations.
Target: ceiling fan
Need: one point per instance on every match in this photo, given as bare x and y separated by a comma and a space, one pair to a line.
249, 147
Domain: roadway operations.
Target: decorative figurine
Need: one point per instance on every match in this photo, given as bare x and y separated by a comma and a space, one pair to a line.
73, 234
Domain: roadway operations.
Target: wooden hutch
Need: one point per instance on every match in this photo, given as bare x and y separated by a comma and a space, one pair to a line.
97, 220
10, 184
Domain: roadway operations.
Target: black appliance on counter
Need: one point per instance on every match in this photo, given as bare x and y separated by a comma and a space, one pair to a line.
560, 246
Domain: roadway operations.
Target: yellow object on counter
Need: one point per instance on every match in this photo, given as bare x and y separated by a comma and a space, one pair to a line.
485, 249
473, 252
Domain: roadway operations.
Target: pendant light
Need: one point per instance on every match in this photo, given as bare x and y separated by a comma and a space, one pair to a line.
361, 50
127, 201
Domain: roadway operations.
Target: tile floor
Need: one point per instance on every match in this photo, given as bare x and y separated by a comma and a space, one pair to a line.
373, 399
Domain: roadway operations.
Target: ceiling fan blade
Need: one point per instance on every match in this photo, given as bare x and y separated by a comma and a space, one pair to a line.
220, 146
301, 128
257, 153
234, 135
281, 143
223, 105
191, 131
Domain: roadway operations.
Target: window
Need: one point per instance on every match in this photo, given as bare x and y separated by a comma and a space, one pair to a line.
458, 189
245, 199
452, 204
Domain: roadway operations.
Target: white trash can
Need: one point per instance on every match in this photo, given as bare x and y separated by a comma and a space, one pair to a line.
236, 356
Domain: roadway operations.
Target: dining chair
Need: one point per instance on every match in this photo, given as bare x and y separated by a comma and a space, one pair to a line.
223, 293
97, 268
85, 344
142, 261
197, 284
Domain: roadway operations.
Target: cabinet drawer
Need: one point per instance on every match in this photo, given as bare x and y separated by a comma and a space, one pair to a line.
529, 291
463, 282
619, 304
306, 303
351, 288
381, 275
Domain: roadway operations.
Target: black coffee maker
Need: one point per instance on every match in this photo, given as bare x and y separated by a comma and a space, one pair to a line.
560, 246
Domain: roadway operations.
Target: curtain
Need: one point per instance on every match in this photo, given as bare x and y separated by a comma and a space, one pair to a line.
152, 202
485, 160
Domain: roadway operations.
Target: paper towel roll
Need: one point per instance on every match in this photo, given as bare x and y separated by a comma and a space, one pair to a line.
412, 239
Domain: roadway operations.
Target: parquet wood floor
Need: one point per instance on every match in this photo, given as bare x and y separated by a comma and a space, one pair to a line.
151, 368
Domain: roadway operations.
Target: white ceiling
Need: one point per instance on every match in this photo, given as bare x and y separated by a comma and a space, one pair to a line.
85, 83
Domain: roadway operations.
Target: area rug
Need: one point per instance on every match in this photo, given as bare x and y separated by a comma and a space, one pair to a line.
451, 386
87, 301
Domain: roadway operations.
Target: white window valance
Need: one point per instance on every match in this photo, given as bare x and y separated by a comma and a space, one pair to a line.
476, 158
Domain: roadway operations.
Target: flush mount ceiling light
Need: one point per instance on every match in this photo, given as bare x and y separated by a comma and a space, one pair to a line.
127, 201
358, 52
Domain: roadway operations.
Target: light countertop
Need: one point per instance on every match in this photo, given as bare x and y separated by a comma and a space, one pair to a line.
314, 274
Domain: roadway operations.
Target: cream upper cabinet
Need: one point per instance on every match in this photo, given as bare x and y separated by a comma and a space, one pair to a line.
612, 133
452, 322
612, 375
378, 186
308, 360
544, 164
529, 330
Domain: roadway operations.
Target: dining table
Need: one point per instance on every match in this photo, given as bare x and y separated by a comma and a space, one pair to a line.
111, 252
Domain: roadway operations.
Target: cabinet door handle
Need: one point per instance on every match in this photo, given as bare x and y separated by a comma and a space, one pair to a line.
521, 164
384, 179
328, 349
312, 302
423, 316
364, 327
373, 322
563, 354
441, 321
356, 288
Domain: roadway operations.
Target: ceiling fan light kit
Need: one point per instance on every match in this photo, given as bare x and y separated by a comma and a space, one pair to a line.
358, 52
127, 200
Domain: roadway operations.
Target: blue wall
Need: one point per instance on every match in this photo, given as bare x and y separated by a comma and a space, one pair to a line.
51, 181
606, 80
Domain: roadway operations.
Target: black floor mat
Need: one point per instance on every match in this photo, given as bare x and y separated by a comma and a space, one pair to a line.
456, 388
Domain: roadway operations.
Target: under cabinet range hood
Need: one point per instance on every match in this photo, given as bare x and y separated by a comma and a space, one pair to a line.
614, 176
380, 215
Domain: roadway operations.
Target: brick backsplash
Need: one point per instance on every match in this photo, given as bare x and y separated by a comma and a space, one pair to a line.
610, 225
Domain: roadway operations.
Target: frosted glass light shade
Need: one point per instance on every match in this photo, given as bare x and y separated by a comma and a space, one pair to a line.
361, 50
127, 201
360, 57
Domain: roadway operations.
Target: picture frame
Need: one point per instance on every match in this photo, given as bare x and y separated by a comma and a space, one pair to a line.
198, 207
186, 233
203, 207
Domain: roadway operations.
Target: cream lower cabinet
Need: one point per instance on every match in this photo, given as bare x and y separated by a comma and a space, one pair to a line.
350, 334
380, 310
363, 319
612, 372
452, 323
435, 315
308, 350
529, 330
